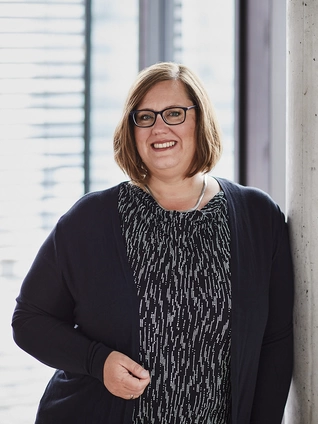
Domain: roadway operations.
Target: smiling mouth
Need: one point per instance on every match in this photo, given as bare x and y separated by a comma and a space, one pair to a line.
164, 145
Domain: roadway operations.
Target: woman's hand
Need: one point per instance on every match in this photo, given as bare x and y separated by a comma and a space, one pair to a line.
124, 377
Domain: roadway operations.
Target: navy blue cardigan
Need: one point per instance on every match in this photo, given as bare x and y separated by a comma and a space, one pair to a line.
78, 302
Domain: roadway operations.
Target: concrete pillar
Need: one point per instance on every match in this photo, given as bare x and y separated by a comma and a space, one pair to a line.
302, 202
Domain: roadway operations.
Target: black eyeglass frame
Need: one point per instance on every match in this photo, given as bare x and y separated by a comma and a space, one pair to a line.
185, 109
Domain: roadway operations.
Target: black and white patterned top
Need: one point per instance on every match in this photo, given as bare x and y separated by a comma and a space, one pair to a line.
181, 267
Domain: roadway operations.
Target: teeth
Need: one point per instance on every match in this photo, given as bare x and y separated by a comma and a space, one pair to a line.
164, 145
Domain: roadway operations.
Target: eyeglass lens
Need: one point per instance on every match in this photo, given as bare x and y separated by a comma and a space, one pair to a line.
171, 116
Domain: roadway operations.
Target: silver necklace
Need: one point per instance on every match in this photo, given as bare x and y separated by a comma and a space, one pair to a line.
195, 207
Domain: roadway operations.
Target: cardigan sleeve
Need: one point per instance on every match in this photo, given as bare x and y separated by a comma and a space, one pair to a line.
276, 358
43, 320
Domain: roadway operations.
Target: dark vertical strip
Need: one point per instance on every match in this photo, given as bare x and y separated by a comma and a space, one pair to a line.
253, 92
156, 31
162, 31
241, 77
167, 33
87, 94
143, 7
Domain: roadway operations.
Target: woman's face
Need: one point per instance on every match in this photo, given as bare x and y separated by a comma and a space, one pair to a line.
167, 150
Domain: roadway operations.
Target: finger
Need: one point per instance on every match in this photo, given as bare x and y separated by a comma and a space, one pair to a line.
134, 384
135, 370
132, 397
138, 371
120, 378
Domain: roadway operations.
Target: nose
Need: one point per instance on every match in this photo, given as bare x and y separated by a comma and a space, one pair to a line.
159, 125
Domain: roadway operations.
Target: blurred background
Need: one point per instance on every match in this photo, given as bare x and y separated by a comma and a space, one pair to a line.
65, 69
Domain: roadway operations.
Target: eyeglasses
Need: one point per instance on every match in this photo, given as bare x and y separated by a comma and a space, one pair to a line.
172, 116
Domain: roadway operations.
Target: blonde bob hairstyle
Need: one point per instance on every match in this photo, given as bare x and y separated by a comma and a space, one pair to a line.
208, 137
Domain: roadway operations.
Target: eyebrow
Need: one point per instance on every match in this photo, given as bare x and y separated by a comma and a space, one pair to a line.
153, 110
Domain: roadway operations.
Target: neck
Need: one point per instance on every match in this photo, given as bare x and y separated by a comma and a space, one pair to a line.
182, 195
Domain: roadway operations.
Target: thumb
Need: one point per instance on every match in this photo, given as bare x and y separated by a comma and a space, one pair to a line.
138, 371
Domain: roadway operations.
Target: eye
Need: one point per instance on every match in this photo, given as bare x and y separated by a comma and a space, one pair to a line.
173, 113
144, 117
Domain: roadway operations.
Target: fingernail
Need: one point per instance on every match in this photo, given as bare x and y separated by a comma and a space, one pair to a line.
144, 374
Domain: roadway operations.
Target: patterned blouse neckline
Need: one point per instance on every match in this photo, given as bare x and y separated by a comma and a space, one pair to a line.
145, 200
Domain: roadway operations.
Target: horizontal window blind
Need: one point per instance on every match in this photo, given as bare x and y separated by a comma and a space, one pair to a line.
42, 64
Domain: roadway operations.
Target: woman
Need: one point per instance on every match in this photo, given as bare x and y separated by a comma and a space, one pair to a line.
168, 298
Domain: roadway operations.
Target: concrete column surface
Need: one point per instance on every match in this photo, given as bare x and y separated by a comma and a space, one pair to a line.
302, 202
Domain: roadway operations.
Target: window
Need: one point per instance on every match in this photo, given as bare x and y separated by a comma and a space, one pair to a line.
114, 66
206, 45
42, 63
56, 127
42, 60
